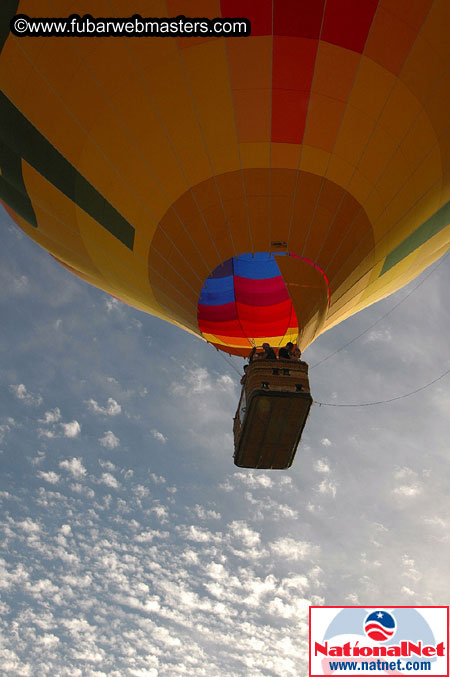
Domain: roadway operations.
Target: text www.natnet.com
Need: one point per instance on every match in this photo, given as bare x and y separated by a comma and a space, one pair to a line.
135, 26
378, 666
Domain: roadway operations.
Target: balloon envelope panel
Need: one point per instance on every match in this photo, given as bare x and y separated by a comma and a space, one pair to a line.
146, 164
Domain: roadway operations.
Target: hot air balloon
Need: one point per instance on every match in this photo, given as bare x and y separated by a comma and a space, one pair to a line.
246, 189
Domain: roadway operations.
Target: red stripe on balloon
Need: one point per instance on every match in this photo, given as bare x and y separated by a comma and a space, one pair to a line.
279, 312
220, 313
265, 321
230, 329
299, 18
347, 23
260, 292
291, 87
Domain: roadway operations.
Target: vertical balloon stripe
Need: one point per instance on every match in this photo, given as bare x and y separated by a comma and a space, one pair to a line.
347, 22
291, 86
298, 18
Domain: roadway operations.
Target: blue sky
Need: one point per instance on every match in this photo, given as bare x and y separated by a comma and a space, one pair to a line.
131, 544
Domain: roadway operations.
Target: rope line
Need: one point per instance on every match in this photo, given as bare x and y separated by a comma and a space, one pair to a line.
383, 316
229, 362
391, 399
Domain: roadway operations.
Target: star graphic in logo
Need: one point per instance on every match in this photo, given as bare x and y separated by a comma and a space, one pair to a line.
380, 626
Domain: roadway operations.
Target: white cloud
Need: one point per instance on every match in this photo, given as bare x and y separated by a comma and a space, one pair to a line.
227, 486
408, 591
51, 477
13, 284
71, 429
411, 486
204, 514
75, 467
436, 521
149, 535
405, 473
217, 571
199, 534
267, 507
325, 442
21, 284
157, 479
378, 335
408, 490
161, 512
13, 665
158, 436
410, 570
113, 304
109, 480
321, 465
29, 526
282, 511
50, 434
289, 548
195, 381
352, 598
254, 480
82, 489
327, 487
109, 440
296, 609
49, 640
249, 537
52, 416
225, 382
112, 408
140, 491
21, 392
4, 428
106, 464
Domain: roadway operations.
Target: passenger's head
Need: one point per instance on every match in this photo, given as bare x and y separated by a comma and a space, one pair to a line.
289, 345
266, 346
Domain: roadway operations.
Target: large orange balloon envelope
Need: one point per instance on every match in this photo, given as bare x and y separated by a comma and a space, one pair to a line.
247, 189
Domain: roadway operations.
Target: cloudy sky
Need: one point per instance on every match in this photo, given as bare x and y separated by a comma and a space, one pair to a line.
132, 546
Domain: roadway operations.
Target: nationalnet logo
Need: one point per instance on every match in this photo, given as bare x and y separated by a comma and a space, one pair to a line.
379, 641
